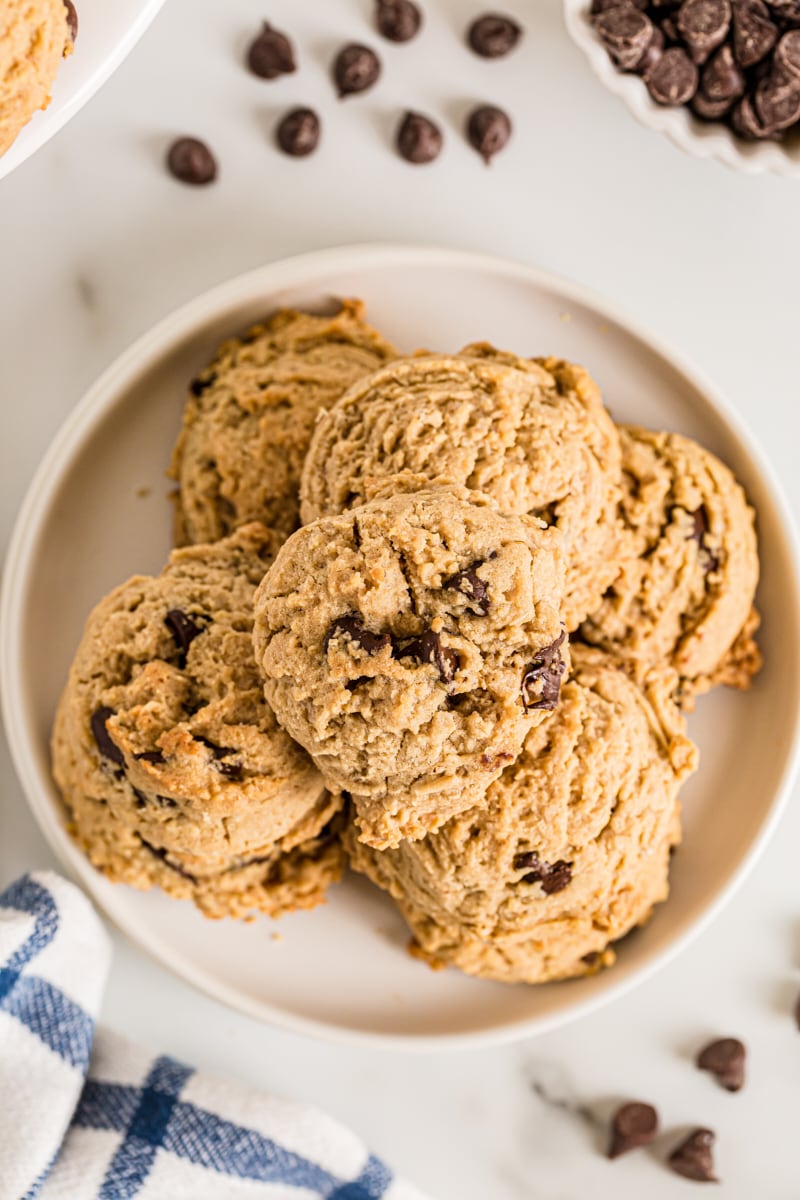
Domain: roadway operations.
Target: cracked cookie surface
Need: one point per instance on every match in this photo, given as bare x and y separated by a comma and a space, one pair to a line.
409, 645
250, 415
173, 768
686, 598
532, 434
569, 849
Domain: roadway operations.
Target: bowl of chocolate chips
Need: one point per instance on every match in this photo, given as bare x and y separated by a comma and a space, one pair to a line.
721, 78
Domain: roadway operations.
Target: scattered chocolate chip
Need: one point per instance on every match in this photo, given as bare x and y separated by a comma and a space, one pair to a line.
787, 54
674, 78
693, 1157
184, 630
626, 33
419, 140
754, 34
398, 20
721, 78
166, 801
703, 25
470, 584
541, 681
271, 54
102, 737
354, 629
232, 771
553, 877
428, 648
191, 161
202, 383
298, 132
724, 1058
163, 855
355, 69
72, 20
488, 130
150, 756
493, 35
633, 1124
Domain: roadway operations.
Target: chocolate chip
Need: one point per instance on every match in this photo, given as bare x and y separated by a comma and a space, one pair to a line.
600, 6
674, 78
150, 756
183, 629
693, 1157
419, 140
777, 106
541, 681
217, 751
652, 54
703, 25
107, 748
163, 855
298, 132
232, 771
699, 524
352, 684
356, 535
746, 122
553, 877
141, 799
626, 33
710, 110
488, 130
166, 801
470, 584
398, 20
191, 161
428, 648
787, 54
493, 35
724, 1058
72, 20
353, 629
202, 383
355, 69
633, 1124
271, 54
754, 34
721, 78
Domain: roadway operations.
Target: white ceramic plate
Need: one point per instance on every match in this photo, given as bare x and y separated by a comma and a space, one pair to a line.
97, 512
702, 139
107, 32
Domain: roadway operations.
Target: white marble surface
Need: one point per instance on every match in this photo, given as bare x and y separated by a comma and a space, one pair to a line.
97, 244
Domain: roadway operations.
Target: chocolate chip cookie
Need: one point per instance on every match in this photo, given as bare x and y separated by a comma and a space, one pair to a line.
686, 597
250, 414
534, 435
569, 849
409, 645
173, 768
34, 37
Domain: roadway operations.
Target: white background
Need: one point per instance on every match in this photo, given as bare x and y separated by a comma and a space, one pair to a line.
97, 243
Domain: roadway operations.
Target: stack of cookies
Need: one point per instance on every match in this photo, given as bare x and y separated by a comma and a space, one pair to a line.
437, 615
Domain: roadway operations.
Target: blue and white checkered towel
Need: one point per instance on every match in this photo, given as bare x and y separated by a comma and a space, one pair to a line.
88, 1116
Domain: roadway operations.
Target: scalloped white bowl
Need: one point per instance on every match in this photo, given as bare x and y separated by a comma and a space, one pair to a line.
701, 139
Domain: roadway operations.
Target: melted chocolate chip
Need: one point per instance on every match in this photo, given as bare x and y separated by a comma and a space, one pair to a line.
488, 130
298, 132
184, 630
493, 35
470, 584
165, 801
724, 1058
541, 681
232, 771
352, 684
398, 20
354, 629
633, 1124
72, 20
150, 756
355, 69
693, 1158
162, 854
141, 799
428, 648
202, 383
356, 535
271, 54
553, 877
102, 737
217, 751
419, 140
191, 161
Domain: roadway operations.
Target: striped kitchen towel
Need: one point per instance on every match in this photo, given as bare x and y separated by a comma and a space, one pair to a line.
89, 1116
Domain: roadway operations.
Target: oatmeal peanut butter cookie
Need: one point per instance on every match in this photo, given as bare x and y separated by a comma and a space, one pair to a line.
250, 414
570, 848
686, 599
34, 36
531, 434
173, 768
409, 645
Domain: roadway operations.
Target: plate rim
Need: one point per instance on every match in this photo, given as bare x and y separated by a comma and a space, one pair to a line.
92, 408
